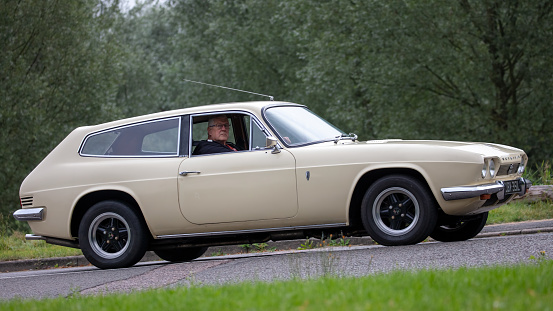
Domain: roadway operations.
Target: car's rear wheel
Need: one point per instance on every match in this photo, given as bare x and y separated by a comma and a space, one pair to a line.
459, 228
111, 235
181, 254
398, 210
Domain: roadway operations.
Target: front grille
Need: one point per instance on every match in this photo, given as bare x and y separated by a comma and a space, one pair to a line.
26, 201
508, 169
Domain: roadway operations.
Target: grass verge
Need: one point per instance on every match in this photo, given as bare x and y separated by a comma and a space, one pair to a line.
521, 287
15, 247
518, 211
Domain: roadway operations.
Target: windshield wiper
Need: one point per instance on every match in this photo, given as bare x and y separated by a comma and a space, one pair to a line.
350, 136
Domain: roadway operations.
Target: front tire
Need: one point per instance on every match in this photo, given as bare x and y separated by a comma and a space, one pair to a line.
180, 254
111, 235
398, 210
459, 229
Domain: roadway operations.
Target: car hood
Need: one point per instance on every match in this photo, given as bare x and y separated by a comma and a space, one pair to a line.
484, 149
396, 150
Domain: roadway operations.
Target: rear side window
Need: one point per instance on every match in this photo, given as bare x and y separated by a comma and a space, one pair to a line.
154, 138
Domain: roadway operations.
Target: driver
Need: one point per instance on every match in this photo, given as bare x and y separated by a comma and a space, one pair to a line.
217, 135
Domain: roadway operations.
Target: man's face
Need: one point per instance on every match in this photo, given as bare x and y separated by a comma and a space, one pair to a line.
217, 132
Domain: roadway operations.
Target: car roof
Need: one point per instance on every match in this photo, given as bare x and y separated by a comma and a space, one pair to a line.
254, 106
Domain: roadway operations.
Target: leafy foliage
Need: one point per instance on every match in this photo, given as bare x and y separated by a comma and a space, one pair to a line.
57, 74
464, 70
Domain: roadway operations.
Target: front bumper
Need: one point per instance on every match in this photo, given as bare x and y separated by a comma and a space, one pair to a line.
498, 188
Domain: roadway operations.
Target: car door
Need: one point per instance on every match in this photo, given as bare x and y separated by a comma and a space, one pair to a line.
253, 184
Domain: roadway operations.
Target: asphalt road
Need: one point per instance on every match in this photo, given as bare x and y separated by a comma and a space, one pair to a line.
355, 260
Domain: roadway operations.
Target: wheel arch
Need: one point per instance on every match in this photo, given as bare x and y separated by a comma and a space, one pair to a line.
367, 180
88, 200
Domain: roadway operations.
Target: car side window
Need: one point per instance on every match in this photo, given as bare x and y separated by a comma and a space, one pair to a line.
161, 142
199, 129
244, 132
154, 138
258, 138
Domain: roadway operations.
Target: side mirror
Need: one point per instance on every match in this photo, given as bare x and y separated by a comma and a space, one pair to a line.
272, 142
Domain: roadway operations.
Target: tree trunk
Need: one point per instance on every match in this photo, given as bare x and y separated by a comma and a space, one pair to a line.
537, 193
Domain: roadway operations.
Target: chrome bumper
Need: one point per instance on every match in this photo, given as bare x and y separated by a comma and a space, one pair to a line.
29, 214
467, 192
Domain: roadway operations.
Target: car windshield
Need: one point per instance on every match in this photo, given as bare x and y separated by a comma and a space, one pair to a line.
300, 126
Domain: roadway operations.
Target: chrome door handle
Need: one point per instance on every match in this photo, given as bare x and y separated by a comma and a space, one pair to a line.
184, 173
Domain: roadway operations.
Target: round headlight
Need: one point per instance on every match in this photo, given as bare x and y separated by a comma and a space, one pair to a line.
492, 168
485, 168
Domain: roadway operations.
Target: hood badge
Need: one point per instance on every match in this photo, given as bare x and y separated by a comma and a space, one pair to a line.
511, 158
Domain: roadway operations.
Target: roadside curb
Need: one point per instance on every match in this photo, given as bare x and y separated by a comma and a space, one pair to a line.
515, 232
532, 227
43, 263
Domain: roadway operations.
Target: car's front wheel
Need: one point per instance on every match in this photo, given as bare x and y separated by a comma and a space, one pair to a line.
180, 254
398, 210
111, 235
459, 228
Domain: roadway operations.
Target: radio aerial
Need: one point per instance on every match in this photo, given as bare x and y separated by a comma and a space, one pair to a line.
271, 98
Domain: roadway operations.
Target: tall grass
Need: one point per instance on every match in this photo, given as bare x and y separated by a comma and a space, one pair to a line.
540, 174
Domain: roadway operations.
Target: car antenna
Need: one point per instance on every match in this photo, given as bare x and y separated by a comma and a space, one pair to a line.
229, 88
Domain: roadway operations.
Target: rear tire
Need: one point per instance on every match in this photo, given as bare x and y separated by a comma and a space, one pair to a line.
181, 254
398, 210
111, 235
457, 229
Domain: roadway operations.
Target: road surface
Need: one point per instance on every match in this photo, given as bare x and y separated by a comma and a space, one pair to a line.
355, 260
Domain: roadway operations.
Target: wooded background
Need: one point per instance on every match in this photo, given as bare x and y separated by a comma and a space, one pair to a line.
471, 70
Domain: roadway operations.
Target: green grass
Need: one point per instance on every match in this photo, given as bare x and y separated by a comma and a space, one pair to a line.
518, 211
15, 247
540, 174
521, 287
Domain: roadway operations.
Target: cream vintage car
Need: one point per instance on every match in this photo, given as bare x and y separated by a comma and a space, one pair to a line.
121, 188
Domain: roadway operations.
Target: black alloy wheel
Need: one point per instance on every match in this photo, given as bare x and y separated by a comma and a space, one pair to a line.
111, 235
459, 228
398, 210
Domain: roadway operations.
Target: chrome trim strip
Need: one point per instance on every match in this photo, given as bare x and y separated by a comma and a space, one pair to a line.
29, 214
216, 233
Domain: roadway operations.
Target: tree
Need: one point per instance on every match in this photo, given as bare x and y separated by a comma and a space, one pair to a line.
464, 70
235, 44
57, 69
467, 70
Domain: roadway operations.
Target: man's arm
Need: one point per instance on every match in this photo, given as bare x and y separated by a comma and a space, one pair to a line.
207, 147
